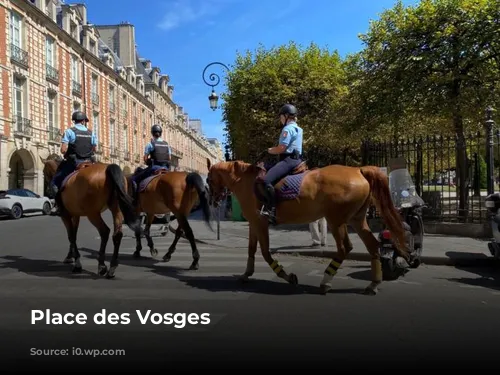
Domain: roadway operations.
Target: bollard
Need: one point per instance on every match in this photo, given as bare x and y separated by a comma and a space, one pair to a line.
489, 150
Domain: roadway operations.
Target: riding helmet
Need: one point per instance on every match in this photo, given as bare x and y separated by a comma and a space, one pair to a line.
156, 129
79, 116
289, 110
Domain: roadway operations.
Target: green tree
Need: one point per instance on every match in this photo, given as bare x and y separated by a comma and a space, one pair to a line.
261, 82
435, 63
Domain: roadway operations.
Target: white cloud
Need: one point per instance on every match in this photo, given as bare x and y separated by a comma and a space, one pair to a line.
186, 11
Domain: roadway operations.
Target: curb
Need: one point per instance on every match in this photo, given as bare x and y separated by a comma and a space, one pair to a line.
365, 257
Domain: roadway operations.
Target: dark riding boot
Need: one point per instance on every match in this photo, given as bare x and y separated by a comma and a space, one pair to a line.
59, 203
270, 205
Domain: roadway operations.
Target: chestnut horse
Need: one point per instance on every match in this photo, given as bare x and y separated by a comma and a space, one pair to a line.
339, 193
171, 192
87, 193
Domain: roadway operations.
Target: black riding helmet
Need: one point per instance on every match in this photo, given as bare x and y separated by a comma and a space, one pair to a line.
79, 116
288, 110
156, 129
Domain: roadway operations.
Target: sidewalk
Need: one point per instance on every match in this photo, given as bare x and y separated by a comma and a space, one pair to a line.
438, 249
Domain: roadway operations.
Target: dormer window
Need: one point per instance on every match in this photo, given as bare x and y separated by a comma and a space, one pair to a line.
92, 47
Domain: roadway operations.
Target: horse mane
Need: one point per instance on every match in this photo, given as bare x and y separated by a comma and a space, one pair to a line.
235, 169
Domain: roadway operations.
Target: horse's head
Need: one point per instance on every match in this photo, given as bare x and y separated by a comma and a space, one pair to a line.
50, 167
224, 176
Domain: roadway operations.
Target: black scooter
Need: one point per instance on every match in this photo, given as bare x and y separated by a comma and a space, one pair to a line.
409, 205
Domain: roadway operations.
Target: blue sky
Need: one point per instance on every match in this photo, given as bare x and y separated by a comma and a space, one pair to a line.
182, 37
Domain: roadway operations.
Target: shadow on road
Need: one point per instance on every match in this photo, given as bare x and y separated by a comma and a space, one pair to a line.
44, 268
219, 283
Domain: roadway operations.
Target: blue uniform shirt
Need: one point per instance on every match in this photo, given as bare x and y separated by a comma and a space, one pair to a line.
291, 137
150, 148
69, 135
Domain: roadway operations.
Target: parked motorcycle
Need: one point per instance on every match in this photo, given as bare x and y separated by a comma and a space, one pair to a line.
492, 203
409, 205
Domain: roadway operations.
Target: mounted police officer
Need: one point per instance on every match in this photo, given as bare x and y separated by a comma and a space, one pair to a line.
157, 154
289, 151
78, 146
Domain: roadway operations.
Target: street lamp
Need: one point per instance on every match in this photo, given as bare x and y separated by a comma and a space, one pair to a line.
213, 98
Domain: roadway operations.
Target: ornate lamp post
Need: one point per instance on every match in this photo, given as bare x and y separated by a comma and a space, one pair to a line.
213, 98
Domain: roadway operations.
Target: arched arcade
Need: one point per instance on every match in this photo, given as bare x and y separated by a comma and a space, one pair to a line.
22, 170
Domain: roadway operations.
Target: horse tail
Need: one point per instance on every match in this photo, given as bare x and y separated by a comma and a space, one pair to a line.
116, 177
379, 187
194, 180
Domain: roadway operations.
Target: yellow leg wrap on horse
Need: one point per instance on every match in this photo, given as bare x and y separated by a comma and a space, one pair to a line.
275, 266
333, 267
376, 270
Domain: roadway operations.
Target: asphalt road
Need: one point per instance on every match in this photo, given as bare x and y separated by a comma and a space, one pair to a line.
436, 315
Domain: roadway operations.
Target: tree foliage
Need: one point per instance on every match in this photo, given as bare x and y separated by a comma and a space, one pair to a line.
312, 79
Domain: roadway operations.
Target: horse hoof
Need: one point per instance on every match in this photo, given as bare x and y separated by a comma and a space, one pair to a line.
137, 255
194, 266
153, 252
77, 269
167, 258
324, 289
101, 270
69, 260
292, 279
370, 291
111, 273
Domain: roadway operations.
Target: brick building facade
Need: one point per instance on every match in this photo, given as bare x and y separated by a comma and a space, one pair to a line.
52, 62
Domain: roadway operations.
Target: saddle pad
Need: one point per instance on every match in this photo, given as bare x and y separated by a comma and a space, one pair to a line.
144, 183
63, 184
291, 187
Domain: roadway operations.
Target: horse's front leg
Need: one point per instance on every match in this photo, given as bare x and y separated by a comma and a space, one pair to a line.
252, 249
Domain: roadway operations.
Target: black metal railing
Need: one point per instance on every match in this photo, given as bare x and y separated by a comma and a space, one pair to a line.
22, 126
51, 73
76, 88
19, 55
55, 134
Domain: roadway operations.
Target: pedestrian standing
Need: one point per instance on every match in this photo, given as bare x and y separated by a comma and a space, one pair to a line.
319, 231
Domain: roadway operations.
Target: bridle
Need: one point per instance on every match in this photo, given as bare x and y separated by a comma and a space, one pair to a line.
215, 199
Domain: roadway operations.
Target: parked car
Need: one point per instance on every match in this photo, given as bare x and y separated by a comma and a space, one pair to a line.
17, 202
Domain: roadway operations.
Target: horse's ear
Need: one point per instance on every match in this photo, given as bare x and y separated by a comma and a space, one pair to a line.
208, 164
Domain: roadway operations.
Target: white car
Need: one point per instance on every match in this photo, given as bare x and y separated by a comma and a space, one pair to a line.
17, 202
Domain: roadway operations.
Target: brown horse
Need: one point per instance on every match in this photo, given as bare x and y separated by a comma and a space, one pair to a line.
171, 192
87, 193
340, 194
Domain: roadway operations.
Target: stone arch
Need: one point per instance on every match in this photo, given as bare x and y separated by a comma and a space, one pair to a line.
22, 170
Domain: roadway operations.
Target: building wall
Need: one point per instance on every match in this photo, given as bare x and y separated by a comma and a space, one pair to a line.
35, 135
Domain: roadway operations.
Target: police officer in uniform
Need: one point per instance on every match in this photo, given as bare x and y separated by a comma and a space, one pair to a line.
289, 151
78, 146
157, 154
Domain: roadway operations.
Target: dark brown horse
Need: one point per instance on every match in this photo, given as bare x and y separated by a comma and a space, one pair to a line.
87, 193
171, 192
340, 194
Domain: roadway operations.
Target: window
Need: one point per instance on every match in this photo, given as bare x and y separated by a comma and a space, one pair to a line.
125, 139
95, 90
92, 46
112, 97
50, 51
95, 125
74, 69
19, 97
76, 107
16, 29
51, 111
112, 135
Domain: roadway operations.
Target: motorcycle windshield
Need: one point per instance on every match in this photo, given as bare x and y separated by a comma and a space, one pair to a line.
403, 192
